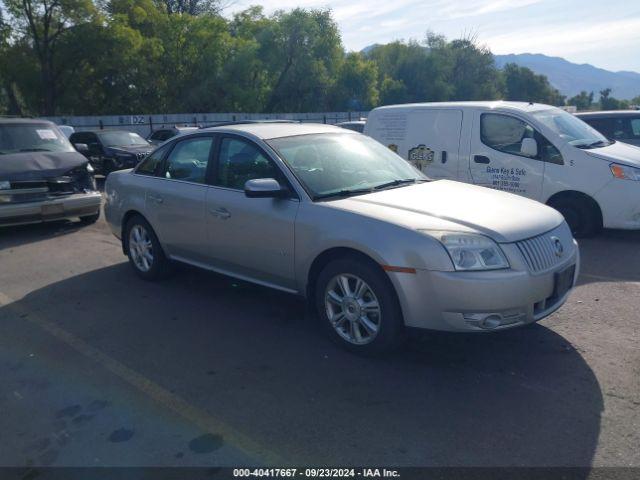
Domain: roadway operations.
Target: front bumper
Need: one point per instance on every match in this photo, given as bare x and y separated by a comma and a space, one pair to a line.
619, 201
76, 205
480, 301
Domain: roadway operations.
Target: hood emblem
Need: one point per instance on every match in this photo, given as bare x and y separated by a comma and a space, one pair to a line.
558, 248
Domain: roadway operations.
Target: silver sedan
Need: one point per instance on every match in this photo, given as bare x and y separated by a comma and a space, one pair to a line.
336, 217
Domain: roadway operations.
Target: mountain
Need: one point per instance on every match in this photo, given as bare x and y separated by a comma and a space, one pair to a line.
571, 78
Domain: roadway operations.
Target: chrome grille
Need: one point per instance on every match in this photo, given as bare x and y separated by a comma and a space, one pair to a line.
540, 252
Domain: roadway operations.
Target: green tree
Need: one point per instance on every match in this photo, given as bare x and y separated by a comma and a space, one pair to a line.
356, 86
522, 84
44, 24
607, 102
582, 101
303, 51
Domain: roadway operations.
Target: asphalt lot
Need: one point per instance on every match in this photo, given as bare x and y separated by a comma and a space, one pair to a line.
101, 368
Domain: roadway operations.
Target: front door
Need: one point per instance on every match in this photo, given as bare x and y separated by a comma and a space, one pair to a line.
496, 159
250, 237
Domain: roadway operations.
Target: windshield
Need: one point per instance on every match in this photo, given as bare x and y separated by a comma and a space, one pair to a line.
32, 138
343, 164
571, 129
119, 139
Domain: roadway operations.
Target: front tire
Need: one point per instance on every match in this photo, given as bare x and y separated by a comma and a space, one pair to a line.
358, 307
579, 215
145, 253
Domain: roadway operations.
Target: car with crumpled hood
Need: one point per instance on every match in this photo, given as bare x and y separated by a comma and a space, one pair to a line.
42, 177
334, 216
110, 150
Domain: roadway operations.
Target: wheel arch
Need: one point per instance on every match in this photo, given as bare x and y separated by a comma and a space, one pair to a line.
581, 196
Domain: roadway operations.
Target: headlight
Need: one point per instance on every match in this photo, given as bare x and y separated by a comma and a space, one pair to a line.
90, 169
625, 172
470, 251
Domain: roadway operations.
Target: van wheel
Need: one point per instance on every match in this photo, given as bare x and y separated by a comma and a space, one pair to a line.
357, 305
580, 216
145, 253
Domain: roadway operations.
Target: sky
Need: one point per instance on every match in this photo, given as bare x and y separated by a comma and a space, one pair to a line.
605, 34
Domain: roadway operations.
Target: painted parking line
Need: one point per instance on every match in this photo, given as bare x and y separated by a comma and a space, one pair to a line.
604, 278
157, 393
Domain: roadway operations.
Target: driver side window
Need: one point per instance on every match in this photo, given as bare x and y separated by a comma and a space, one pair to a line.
506, 134
188, 160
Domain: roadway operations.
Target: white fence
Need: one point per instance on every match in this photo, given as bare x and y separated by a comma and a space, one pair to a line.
144, 124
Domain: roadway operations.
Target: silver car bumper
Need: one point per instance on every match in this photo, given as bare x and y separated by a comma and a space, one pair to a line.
481, 301
76, 205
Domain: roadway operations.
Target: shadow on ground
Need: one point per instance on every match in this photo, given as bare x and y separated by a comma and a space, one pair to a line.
257, 360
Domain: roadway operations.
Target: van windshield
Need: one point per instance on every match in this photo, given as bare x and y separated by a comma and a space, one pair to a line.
32, 137
332, 165
571, 129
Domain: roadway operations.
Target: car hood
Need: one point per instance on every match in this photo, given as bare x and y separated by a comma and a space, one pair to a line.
456, 206
38, 165
618, 152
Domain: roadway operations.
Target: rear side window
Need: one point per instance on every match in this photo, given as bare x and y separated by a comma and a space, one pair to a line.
188, 160
83, 137
150, 165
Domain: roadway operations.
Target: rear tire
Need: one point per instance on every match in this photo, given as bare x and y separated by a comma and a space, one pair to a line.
357, 306
581, 217
143, 248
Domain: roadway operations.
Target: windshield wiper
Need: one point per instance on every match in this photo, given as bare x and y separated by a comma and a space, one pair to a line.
343, 193
396, 183
34, 150
594, 144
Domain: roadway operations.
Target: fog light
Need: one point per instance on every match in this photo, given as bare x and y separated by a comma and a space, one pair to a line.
492, 321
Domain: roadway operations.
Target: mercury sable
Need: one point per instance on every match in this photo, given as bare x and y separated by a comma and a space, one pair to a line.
333, 215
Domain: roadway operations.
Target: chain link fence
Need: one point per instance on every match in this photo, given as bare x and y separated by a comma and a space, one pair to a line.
145, 124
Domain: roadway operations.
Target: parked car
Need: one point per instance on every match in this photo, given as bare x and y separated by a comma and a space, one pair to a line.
110, 150
534, 150
621, 125
161, 135
42, 177
330, 214
66, 129
355, 125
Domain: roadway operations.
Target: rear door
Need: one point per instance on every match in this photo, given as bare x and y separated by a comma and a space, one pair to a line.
496, 160
175, 201
433, 142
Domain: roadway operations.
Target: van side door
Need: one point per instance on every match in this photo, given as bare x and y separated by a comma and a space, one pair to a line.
433, 142
502, 155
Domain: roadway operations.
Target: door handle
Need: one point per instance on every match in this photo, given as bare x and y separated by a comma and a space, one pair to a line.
222, 213
481, 159
156, 199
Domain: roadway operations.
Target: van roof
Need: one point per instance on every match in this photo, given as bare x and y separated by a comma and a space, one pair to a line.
484, 105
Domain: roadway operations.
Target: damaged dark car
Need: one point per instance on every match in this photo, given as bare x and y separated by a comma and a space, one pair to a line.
111, 150
42, 177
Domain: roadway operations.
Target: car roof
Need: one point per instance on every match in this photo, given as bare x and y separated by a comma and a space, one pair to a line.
610, 113
24, 121
485, 105
105, 130
267, 131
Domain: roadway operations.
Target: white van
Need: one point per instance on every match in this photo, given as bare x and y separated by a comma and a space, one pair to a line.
534, 150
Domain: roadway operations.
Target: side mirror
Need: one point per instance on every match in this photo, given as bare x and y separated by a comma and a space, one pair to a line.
264, 188
529, 147
81, 147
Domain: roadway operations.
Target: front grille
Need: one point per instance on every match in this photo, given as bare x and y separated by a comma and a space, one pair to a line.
540, 252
